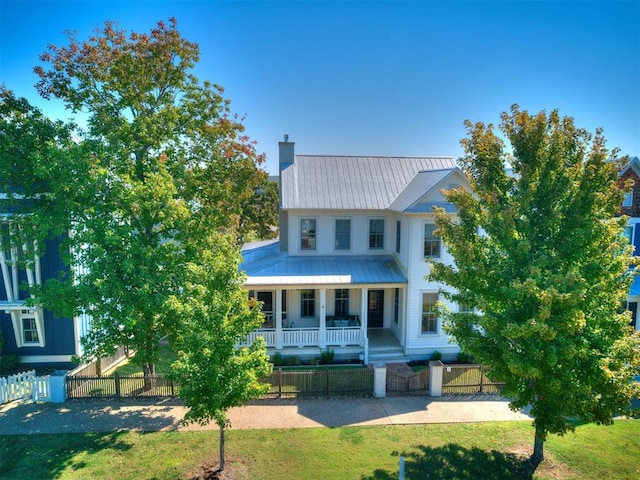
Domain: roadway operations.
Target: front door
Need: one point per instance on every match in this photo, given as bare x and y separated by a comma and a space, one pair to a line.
375, 310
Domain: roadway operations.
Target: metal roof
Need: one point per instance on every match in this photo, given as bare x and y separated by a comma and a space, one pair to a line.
268, 266
352, 182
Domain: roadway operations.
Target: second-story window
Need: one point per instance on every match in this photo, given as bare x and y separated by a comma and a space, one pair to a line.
307, 234
628, 199
431, 242
343, 234
376, 234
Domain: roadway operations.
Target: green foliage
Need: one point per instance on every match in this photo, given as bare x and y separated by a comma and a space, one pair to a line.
8, 362
277, 359
436, 355
215, 316
291, 361
326, 357
540, 252
163, 162
464, 357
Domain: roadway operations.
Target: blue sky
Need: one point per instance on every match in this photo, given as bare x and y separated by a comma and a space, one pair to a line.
374, 78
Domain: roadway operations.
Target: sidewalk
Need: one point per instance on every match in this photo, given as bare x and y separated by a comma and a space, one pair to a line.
79, 416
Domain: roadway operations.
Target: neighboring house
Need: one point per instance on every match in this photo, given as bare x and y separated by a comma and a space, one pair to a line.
348, 272
38, 336
631, 208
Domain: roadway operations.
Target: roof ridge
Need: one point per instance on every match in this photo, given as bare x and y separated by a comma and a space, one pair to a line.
372, 156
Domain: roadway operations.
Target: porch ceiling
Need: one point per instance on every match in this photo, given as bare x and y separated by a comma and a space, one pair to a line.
282, 269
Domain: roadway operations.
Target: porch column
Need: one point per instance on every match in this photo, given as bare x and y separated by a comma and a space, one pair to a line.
364, 308
323, 318
278, 314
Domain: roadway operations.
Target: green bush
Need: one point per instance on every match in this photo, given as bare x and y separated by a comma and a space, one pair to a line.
464, 357
277, 359
436, 355
291, 361
326, 357
8, 362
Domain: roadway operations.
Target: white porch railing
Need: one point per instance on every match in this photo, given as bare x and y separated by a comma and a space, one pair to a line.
344, 336
300, 337
268, 335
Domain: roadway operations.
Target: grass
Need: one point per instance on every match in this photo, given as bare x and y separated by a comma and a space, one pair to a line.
457, 451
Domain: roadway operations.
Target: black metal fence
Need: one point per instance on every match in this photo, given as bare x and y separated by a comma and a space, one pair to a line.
324, 381
118, 386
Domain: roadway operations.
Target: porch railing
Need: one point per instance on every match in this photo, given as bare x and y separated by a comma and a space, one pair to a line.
300, 337
344, 336
268, 335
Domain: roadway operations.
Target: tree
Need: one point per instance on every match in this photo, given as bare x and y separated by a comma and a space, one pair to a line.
216, 316
259, 220
162, 162
541, 257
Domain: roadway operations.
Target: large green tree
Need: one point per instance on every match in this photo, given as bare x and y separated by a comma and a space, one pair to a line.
540, 255
216, 316
162, 162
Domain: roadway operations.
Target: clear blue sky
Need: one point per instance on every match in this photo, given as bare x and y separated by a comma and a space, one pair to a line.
374, 78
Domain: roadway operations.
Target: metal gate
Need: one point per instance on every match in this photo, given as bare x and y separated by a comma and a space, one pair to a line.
468, 379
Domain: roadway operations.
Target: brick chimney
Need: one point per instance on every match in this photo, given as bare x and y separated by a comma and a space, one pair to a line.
286, 158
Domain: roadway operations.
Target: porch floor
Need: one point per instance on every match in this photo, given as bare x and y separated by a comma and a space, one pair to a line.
382, 338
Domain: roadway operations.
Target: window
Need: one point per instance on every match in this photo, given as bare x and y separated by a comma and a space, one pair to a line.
431, 242
628, 199
429, 316
307, 303
343, 234
29, 328
376, 234
267, 308
307, 234
342, 302
398, 230
628, 234
464, 308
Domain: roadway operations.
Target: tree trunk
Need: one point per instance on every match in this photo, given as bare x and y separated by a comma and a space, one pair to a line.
148, 370
538, 446
221, 448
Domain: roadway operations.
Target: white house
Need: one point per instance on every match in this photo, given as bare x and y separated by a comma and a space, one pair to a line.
348, 272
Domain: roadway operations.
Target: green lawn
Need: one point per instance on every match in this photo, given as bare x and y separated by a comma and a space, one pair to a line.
457, 451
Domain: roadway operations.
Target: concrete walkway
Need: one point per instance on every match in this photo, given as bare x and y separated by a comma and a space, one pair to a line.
78, 416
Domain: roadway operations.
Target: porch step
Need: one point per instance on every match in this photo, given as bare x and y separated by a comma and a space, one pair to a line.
387, 355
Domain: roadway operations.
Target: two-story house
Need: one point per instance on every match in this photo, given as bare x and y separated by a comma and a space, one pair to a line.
348, 272
631, 208
35, 334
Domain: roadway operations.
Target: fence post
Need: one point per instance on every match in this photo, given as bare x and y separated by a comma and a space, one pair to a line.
58, 382
481, 378
279, 382
173, 392
326, 389
379, 380
116, 378
436, 368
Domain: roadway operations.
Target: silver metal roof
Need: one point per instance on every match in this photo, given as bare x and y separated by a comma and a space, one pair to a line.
352, 182
266, 266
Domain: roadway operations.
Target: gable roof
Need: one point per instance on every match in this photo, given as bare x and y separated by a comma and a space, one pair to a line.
353, 182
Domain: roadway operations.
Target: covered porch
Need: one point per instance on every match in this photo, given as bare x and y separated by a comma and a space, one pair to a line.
316, 303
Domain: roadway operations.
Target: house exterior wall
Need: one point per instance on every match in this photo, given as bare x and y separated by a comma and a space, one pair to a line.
634, 209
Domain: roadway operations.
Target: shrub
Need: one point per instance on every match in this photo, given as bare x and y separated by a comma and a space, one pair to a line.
436, 355
326, 357
277, 359
291, 361
8, 362
464, 357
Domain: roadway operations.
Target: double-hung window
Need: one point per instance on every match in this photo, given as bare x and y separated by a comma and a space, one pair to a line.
376, 234
628, 199
307, 234
431, 242
429, 315
307, 303
29, 327
343, 234
342, 302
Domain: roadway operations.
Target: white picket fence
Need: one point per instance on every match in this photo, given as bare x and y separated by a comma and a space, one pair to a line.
25, 385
